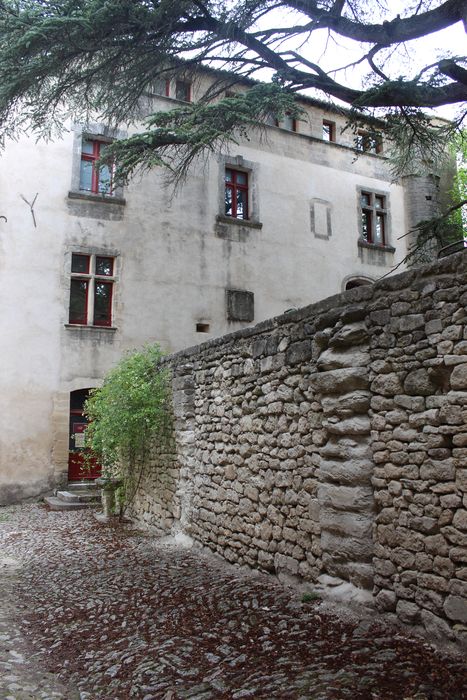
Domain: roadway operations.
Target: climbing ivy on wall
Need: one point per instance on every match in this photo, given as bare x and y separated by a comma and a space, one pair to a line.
126, 414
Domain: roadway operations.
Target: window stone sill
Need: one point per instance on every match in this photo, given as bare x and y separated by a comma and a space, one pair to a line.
238, 230
94, 329
374, 246
100, 198
248, 223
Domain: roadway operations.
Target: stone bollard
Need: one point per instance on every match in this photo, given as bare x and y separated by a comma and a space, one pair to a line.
108, 501
108, 496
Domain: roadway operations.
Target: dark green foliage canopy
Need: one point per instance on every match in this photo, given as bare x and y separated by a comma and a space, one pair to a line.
76, 57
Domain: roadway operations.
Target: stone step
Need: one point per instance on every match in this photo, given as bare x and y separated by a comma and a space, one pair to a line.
81, 485
80, 496
55, 503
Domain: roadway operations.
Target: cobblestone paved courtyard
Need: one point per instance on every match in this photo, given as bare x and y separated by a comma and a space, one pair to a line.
91, 612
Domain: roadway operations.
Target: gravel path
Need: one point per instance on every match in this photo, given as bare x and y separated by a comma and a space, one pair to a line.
92, 612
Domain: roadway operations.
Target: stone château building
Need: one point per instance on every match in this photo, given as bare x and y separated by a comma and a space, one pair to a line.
88, 272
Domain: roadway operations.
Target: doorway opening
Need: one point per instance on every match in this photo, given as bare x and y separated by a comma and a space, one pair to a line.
77, 448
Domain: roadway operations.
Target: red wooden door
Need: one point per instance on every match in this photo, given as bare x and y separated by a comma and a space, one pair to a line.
78, 423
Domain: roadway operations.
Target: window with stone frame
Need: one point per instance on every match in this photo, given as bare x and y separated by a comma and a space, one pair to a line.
183, 90
93, 178
91, 290
329, 130
236, 193
373, 208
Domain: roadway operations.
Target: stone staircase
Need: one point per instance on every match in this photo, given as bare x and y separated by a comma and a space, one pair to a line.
77, 496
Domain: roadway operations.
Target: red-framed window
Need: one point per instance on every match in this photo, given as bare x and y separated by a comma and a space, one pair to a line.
183, 90
329, 130
236, 193
91, 290
374, 218
92, 178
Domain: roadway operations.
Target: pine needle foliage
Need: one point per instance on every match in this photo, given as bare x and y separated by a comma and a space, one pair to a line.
63, 59
176, 138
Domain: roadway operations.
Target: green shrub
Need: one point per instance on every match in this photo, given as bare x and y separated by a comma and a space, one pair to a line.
125, 416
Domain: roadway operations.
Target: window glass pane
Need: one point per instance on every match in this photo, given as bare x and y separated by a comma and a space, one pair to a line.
289, 122
228, 201
379, 230
366, 226
379, 202
182, 91
159, 86
362, 141
80, 263
228, 175
105, 179
102, 303
85, 175
242, 178
87, 147
78, 301
326, 132
366, 199
241, 204
104, 266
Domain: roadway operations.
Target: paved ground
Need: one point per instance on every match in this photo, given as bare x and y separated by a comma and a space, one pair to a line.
89, 612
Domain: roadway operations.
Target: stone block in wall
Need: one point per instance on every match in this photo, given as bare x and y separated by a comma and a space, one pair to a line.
459, 377
340, 380
350, 471
332, 359
345, 549
431, 600
348, 404
348, 335
346, 449
442, 470
408, 612
298, 352
419, 383
358, 498
437, 628
385, 600
357, 425
346, 524
455, 608
387, 384
286, 564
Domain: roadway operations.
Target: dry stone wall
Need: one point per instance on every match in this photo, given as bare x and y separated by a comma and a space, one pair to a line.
329, 446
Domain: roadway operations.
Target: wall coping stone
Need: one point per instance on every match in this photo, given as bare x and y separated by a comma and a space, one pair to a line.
403, 280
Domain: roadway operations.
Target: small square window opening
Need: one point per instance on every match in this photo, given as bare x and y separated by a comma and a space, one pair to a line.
202, 327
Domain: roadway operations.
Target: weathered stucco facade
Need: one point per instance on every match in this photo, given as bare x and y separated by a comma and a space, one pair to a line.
328, 446
177, 258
